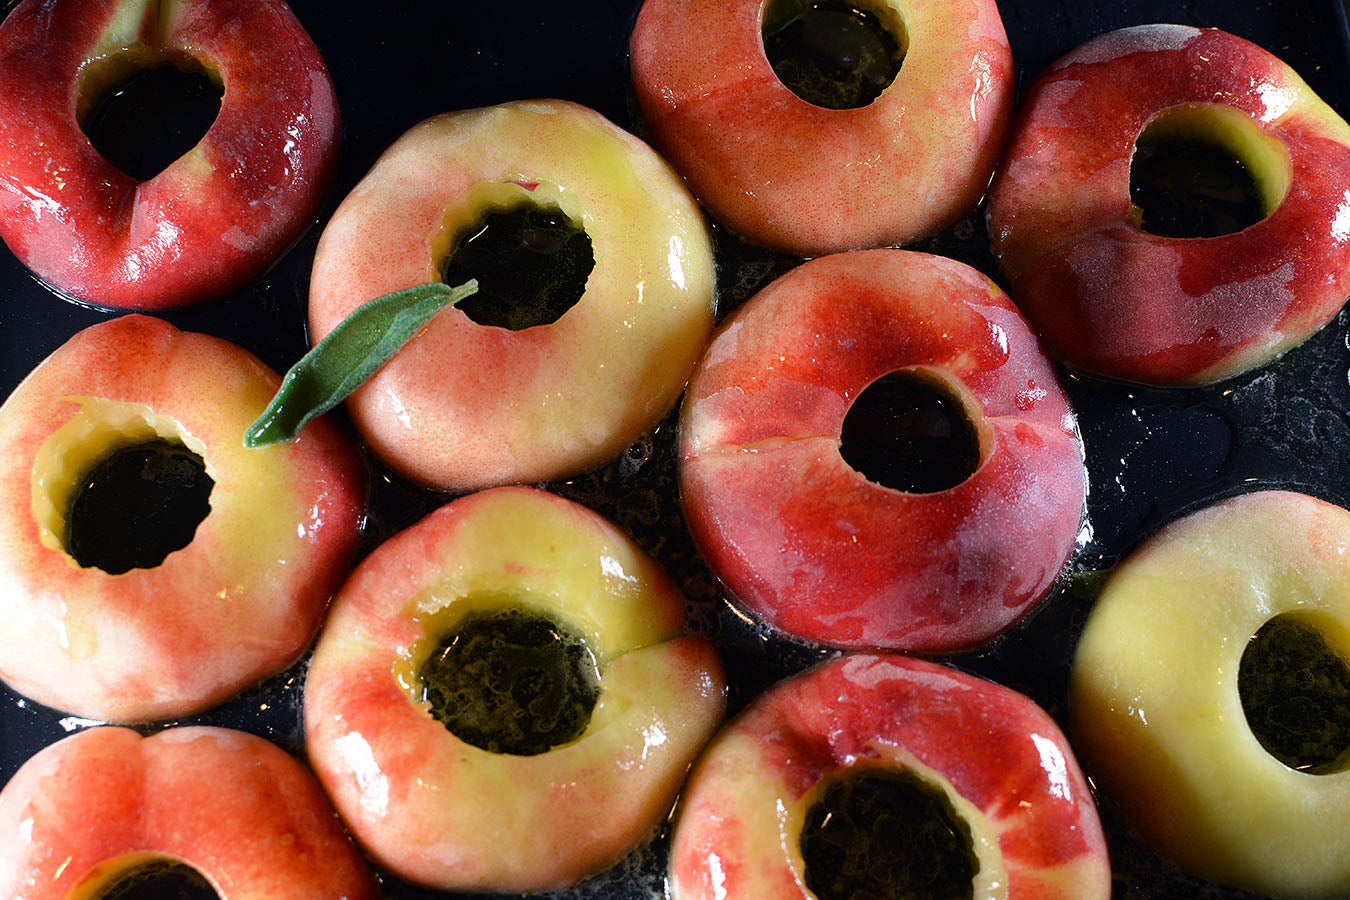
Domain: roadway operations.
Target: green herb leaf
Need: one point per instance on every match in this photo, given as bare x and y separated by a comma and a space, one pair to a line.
351, 353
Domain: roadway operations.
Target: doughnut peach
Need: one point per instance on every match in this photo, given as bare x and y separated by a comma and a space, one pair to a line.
466, 806
468, 405
786, 173
106, 805
1006, 803
129, 640
216, 217
818, 549
1160, 709
1111, 293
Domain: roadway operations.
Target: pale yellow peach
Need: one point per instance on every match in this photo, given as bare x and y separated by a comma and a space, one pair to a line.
1156, 711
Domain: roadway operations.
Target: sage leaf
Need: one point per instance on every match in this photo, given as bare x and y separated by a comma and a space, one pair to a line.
350, 354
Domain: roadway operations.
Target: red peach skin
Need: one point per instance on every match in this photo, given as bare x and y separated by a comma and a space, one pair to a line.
216, 217
798, 177
238, 809
1110, 298
810, 544
238, 603
1002, 760
446, 814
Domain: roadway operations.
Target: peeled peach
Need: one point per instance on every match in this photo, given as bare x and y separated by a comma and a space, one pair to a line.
467, 405
218, 215
451, 811
244, 597
106, 804
1110, 296
989, 757
787, 173
1158, 695
816, 547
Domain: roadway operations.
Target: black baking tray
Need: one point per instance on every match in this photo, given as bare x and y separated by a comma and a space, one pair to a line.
1152, 454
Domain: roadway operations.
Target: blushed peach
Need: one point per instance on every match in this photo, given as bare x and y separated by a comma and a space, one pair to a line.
466, 405
105, 804
795, 176
996, 769
448, 812
240, 601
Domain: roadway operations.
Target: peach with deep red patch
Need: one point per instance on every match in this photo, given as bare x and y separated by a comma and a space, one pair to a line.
216, 217
809, 180
105, 802
241, 601
812, 545
1002, 763
1111, 298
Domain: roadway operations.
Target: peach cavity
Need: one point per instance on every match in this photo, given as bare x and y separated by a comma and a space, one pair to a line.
831, 54
143, 109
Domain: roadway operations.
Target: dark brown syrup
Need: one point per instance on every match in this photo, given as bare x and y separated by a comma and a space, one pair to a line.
910, 432
512, 682
830, 54
137, 505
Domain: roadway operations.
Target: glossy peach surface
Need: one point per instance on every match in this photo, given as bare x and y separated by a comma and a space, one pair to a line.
466, 406
1110, 298
235, 807
238, 603
443, 813
1001, 760
1154, 697
798, 177
811, 545
215, 218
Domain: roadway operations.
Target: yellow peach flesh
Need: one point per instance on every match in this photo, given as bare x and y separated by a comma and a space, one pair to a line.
1155, 702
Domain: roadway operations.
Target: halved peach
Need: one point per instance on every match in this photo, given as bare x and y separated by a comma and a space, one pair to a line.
467, 405
788, 173
187, 807
838, 553
426, 765
218, 215
1231, 760
881, 775
126, 640
1114, 292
